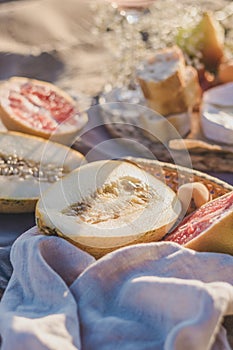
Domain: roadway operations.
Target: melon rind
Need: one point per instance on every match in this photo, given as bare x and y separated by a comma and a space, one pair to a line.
17, 206
20, 196
150, 225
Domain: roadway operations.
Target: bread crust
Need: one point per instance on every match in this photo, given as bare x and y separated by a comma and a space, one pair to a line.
177, 92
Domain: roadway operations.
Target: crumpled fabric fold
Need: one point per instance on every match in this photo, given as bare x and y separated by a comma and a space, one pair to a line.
141, 297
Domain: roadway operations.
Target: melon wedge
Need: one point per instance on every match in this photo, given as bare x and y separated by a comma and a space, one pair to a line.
41, 109
107, 204
28, 166
210, 228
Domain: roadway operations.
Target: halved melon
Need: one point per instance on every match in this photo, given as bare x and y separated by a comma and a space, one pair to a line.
28, 166
108, 204
210, 228
41, 109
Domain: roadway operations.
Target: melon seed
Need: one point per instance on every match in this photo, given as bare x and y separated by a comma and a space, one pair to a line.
12, 165
118, 198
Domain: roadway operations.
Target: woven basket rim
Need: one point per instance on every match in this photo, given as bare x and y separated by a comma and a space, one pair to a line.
175, 167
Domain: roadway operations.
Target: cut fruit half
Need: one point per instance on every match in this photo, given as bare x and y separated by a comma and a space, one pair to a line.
108, 204
41, 109
210, 228
28, 166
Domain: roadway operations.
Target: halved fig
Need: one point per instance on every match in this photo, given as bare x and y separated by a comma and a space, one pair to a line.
41, 109
28, 166
108, 204
209, 228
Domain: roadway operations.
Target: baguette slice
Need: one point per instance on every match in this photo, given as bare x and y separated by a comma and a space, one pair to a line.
163, 71
168, 85
192, 90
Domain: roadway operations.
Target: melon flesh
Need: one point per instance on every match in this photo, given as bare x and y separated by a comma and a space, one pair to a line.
19, 194
107, 204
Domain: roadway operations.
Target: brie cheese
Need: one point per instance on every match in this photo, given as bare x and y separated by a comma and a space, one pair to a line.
217, 124
217, 114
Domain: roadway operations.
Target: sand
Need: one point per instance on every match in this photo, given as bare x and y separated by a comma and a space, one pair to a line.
52, 40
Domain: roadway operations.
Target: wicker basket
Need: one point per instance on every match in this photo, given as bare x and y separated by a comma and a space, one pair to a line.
122, 126
176, 175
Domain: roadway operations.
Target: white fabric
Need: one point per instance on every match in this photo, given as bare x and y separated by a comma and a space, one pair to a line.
143, 297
